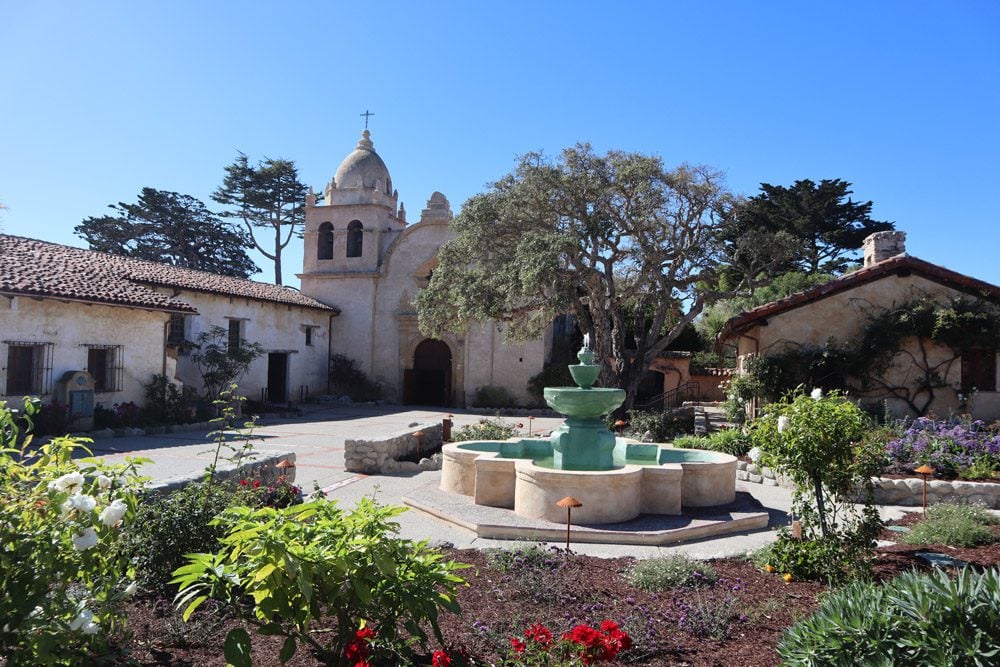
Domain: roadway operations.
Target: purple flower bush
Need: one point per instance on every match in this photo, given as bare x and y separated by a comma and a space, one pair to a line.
950, 447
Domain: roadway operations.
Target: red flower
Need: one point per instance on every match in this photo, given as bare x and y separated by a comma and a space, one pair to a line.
608, 626
243, 482
256, 484
440, 659
540, 634
365, 634
356, 650
517, 645
583, 634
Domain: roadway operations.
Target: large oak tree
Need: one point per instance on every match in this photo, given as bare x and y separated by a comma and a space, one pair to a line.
618, 240
269, 198
171, 228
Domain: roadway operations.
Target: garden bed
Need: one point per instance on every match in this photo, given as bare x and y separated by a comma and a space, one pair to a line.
736, 621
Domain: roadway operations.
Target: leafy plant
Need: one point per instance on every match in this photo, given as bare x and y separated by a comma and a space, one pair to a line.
306, 562
707, 617
914, 619
60, 519
820, 558
730, 441
657, 574
348, 380
552, 375
166, 403
485, 429
238, 445
220, 364
954, 525
661, 426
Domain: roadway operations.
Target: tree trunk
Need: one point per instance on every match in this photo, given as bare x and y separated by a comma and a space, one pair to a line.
820, 506
277, 255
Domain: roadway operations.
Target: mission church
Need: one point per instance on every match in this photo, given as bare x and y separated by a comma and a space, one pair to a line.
363, 258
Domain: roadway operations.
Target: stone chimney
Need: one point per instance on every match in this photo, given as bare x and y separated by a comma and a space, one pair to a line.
883, 245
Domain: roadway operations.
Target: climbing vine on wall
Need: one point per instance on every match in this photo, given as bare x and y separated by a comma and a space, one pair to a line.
902, 336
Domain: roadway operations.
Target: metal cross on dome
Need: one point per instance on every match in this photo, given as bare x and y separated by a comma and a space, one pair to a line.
366, 114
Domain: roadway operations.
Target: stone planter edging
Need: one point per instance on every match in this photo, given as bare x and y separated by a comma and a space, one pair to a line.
907, 492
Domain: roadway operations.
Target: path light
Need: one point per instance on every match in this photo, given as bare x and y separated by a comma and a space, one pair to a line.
619, 425
446, 425
530, 418
418, 435
924, 471
569, 502
284, 464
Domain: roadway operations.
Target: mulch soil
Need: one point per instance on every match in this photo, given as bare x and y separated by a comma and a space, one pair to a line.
737, 620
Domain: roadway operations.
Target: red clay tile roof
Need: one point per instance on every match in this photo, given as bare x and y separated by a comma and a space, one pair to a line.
900, 265
37, 268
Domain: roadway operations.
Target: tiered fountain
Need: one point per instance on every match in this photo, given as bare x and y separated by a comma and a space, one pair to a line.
616, 479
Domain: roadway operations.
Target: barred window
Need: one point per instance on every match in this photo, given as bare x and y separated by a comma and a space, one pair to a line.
105, 363
29, 368
175, 332
235, 337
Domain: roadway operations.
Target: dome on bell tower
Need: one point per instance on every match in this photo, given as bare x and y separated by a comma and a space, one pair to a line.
363, 169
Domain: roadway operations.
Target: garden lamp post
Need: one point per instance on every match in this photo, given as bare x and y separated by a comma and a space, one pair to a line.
619, 425
924, 471
569, 502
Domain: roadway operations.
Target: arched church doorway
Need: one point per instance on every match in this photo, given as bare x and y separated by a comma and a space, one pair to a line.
429, 381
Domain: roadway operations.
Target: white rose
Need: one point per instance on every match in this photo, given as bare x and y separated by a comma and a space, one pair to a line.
816, 394
754, 454
113, 513
79, 502
782, 424
85, 540
70, 482
104, 481
131, 589
84, 622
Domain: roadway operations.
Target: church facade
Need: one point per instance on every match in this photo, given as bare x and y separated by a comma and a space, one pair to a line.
363, 258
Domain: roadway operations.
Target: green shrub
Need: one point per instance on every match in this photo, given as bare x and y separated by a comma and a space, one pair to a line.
168, 526
819, 559
553, 375
692, 442
62, 580
662, 426
493, 397
732, 441
954, 525
348, 380
657, 574
283, 569
485, 429
166, 403
914, 619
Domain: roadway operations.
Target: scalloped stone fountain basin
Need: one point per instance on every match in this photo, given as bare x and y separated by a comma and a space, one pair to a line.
518, 474
616, 479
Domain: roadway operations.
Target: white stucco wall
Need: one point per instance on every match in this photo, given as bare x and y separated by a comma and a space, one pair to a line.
71, 326
275, 327
841, 316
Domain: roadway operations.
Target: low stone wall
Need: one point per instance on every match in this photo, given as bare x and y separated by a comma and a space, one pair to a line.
907, 492
380, 456
263, 468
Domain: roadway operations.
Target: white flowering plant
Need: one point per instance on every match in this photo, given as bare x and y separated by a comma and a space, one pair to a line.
61, 576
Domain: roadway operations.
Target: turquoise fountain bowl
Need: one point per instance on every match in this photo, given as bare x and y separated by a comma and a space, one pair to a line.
577, 402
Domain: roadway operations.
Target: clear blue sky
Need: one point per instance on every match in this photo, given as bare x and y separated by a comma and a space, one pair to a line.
99, 99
